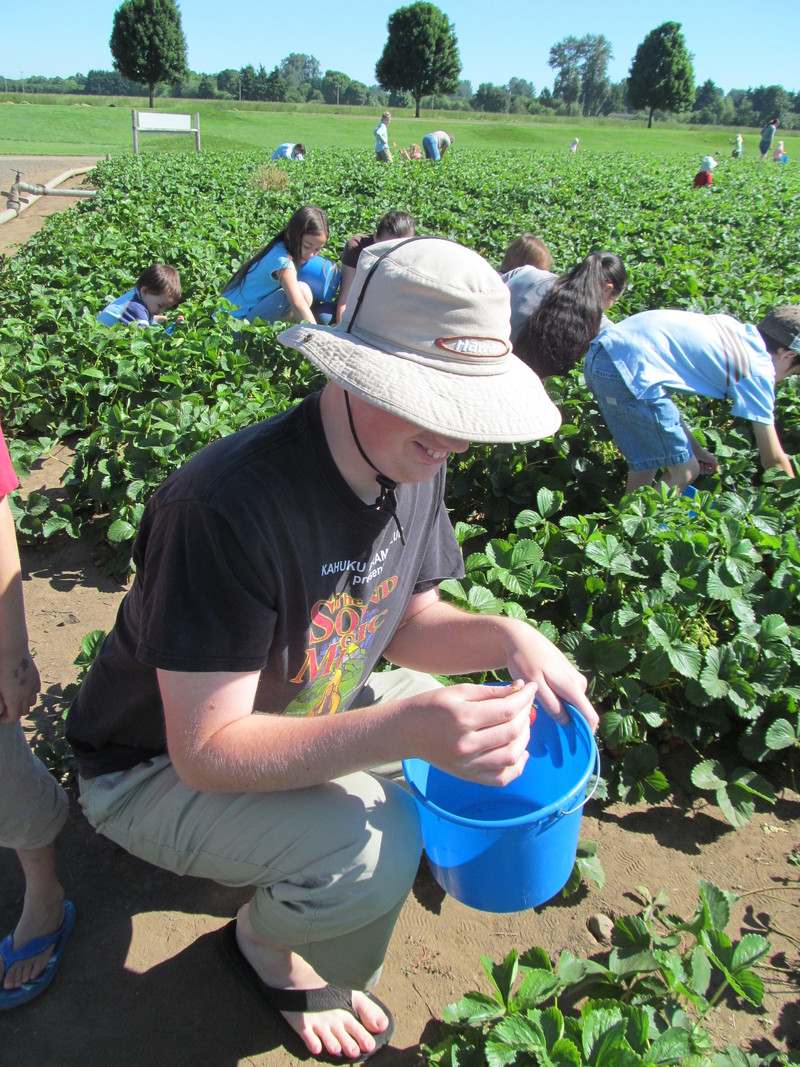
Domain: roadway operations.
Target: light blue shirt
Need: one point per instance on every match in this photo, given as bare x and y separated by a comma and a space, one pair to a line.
284, 151
260, 281
710, 355
381, 137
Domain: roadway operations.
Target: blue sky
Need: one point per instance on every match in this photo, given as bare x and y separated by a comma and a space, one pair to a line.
736, 43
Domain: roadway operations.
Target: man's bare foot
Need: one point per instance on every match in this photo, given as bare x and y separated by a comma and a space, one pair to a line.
38, 919
337, 1032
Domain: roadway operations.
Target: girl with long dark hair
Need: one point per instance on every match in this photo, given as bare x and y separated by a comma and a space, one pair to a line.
267, 286
554, 318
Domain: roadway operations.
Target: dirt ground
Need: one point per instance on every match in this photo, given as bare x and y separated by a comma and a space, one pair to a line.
143, 980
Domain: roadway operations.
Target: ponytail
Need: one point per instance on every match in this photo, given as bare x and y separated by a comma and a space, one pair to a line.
559, 332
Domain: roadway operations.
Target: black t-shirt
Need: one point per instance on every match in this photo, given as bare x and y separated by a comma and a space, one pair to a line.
257, 555
354, 247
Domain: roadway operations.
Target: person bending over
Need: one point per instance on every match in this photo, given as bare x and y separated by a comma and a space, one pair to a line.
634, 366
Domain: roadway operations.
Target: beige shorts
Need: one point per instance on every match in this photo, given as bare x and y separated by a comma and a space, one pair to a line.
331, 864
33, 806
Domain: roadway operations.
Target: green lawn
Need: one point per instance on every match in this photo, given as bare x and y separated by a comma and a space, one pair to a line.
77, 125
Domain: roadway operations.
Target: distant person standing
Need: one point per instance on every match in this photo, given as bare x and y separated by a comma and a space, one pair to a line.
739, 149
767, 135
383, 153
287, 150
434, 145
779, 155
574, 146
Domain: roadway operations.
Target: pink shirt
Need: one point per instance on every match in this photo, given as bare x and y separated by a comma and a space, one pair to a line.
8, 477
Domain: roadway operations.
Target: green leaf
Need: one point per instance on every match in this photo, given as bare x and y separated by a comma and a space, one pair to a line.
473, 1009
749, 950
536, 987
700, 971
482, 601
502, 975
673, 1046
716, 904
749, 985
121, 531
708, 775
781, 734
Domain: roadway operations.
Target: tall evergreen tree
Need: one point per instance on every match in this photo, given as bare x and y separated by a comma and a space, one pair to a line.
147, 42
421, 53
661, 75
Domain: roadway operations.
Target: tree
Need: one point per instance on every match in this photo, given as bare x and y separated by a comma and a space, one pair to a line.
708, 103
582, 65
356, 94
275, 86
595, 84
769, 101
300, 69
421, 53
228, 82
247, 83
661, 74
490, 98
520, 87
147, 42
206, 90
334, 86
565, 57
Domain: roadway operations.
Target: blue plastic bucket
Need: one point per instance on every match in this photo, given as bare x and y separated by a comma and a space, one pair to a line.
322, 277
513, 847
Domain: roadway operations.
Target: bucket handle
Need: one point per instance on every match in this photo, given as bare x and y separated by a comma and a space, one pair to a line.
586, 799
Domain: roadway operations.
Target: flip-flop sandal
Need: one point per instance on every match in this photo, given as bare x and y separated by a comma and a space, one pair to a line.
12, 998
327, 998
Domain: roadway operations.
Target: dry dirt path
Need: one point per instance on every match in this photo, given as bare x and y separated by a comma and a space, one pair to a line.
36, 170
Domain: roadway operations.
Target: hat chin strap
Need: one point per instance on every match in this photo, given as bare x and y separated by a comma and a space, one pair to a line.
387, 501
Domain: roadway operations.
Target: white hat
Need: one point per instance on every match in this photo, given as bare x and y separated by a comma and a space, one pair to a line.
426, 336
708, 163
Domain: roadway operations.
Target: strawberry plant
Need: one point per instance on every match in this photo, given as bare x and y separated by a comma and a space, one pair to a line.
683, 617
644, 1004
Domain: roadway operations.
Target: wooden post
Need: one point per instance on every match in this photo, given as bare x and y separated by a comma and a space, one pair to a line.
135, 134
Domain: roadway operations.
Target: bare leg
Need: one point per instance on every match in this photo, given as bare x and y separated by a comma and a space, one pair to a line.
337, 1032
636, 479
683, 474
42, 912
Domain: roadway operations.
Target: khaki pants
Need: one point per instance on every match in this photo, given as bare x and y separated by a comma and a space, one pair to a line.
33, 806
331, 864
384, 156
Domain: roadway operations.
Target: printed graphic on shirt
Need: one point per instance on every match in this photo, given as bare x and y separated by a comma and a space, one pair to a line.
341, 632
736, 351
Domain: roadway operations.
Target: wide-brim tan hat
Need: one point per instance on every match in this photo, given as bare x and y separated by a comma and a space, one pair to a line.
426, 336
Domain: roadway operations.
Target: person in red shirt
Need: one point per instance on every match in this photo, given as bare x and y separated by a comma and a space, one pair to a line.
703, 176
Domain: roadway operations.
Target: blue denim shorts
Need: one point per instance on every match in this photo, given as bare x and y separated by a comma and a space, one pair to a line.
648, 433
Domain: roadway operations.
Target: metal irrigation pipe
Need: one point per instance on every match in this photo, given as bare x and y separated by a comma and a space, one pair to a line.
16, 206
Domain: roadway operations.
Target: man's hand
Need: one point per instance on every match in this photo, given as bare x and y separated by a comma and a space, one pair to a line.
538, 660
477, 732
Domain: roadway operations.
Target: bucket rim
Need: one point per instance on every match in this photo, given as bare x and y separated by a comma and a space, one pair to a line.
541, 814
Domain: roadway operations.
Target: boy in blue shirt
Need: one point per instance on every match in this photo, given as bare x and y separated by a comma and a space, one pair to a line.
634, 365
157, 289
288, 150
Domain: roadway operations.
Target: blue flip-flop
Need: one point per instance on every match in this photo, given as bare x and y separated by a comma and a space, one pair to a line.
12, 998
